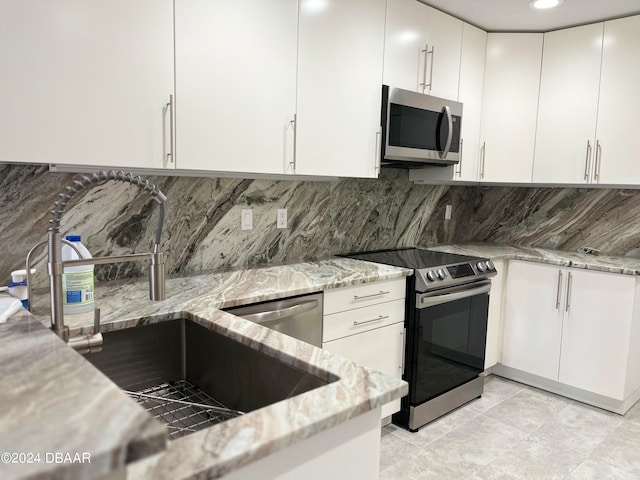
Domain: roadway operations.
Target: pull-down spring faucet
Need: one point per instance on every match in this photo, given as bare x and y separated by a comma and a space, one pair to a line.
55, 265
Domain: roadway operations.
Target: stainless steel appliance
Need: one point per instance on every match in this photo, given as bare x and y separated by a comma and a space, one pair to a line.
446, 323
419, 129
299, 317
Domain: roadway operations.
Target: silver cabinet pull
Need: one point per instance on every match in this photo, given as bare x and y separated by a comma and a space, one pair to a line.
569, 282
596, 171
433, 53
294, 122
378, 151
558, 290
482, 152
459, 171
402, 347
587, 161
360, 297
447, 111
170, 154
424, 69
380, 317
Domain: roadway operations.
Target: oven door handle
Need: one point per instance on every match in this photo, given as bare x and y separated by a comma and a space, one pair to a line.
436, 298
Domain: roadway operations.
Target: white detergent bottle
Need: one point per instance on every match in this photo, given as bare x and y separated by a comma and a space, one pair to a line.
77, 282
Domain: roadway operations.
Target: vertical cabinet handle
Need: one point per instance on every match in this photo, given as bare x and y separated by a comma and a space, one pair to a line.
169, 107
587, 161
402, 347
596, 171
459, 171
432, 52
425, 52
558, 289
483, 149
294, 123
378, 152
569, 282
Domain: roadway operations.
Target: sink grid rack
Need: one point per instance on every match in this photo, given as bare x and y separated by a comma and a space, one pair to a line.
182, 407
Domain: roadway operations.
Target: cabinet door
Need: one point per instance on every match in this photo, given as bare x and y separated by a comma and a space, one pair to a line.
509, 106
235, 84
596, 332
533, 318
86, 82
404, 44
493, 352
340, 53
474, 42
568, 105
444, 37
381, 349
618, 127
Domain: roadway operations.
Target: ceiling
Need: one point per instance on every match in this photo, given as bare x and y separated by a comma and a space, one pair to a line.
517, 16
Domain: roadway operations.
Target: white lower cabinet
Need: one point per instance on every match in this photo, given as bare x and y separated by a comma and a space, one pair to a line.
365, 324
575, 327
493, 350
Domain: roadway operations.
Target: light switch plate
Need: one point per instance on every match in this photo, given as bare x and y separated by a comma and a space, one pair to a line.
246, 219
447, 212
281, 218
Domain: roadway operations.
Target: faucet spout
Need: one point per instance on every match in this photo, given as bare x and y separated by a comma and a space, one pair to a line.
55, 266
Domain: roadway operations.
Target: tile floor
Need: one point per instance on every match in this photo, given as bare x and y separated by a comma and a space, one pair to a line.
514, 431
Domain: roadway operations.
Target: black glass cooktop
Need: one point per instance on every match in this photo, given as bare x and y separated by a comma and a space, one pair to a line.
415, 258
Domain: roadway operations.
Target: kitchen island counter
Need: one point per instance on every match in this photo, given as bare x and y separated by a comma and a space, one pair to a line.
54, 401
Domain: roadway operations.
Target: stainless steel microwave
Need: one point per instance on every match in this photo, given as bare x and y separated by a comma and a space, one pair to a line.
419, 129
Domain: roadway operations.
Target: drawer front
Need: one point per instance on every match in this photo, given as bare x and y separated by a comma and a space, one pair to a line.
358, 296
381, 349
351, 322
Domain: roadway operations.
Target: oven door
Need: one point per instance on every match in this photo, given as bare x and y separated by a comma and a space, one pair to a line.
450, 339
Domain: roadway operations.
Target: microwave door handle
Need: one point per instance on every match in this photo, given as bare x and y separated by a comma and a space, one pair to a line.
447, 147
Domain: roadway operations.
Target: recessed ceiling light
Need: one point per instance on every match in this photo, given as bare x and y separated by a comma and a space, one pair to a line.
544, 4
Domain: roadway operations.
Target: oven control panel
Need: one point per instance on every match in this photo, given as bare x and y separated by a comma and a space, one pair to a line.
450, 275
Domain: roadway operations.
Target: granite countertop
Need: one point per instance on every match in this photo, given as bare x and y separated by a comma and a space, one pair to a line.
603, 263
54, 401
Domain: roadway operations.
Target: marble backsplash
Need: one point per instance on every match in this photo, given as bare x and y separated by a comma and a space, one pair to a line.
202, 227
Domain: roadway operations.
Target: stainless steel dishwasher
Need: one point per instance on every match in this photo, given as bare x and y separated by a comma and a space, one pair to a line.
299, 317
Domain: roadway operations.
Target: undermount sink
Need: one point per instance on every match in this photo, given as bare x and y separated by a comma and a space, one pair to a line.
176, 368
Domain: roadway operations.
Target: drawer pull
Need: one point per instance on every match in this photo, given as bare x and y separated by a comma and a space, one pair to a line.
380, 317
360, 297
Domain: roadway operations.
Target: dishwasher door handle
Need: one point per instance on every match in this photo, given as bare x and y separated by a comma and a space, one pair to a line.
281, 313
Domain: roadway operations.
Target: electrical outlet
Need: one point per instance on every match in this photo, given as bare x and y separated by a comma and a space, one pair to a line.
281, 218
447, 212
246, 219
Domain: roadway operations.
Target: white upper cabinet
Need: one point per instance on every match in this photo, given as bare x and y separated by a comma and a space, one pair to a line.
340, 55
404, 44
509, 106
86, 82
568, 106
422, 49
235, 84
618, 128
444, 42
565, 138
474, 43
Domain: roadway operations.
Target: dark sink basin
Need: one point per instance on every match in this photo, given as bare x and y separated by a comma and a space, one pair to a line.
181, 360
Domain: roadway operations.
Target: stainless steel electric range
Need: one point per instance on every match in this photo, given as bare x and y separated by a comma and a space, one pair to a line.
446, 323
